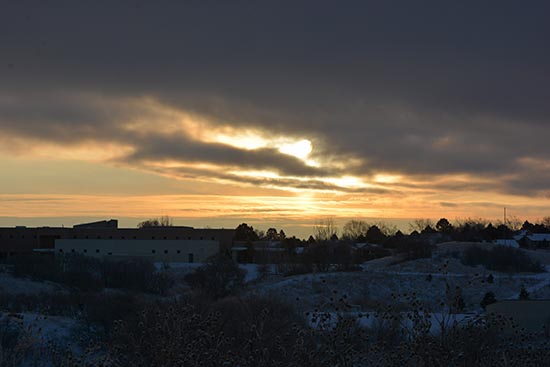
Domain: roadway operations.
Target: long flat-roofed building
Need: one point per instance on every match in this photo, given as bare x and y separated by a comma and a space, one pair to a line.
106, 237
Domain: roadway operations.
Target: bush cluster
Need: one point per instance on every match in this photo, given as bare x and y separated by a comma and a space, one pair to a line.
90, 274
219, 277
501, 258
414, 249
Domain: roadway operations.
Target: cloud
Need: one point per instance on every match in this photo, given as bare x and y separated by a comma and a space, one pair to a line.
397, 88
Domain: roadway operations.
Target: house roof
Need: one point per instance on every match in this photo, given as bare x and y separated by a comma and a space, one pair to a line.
507, 242
539, 237
520, 235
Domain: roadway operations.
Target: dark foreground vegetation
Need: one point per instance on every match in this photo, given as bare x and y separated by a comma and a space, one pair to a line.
218, 323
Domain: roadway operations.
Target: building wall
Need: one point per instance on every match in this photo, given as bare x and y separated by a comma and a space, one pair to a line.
19, 240
155, 250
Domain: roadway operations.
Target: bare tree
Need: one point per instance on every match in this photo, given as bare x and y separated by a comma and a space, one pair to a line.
164, 221
420, 224
388, 229
354, 229
476, 222
325, 229
512, 221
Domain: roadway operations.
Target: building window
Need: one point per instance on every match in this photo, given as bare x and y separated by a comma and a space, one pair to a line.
165, 251
123, 237
98, 237
202, 237
72, 250
110, 237
86, 237
179, 251
153, 237
189, 237
110, 253
60, 250
97, 251
177, 238
164, 237
135, 237
74, 236
85, 251
153, 251
213, 238
190, 256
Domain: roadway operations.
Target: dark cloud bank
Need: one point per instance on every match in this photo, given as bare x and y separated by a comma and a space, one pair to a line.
422, 88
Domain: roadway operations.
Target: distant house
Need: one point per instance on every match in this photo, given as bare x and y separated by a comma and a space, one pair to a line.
507, 243
520, 235
363, 246
533, 240
531, 315
539, 240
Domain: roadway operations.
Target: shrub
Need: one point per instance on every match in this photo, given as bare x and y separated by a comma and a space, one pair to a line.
40, 267
264, 270
289, 269
488, 299
16, 344
229, 332
160, 283
501, 258
219, 277
371, 253
133, 274
318, 255
414, 249
523, 294
81, 272
91, 274
106, 309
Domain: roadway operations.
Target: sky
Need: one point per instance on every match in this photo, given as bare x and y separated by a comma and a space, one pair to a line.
275, 113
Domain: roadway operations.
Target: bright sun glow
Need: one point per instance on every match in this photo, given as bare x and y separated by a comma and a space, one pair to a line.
248, 141
300, 149
347, 181
386, 178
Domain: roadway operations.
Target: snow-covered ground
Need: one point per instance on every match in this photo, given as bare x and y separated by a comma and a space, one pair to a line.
12, 285
432, 281
537, 291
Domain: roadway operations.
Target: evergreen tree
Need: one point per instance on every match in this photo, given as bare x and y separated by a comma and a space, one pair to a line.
458, 304
523, 294
444, 226
488, 298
